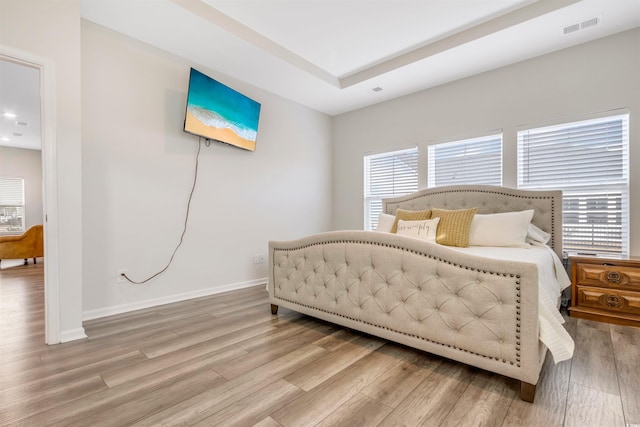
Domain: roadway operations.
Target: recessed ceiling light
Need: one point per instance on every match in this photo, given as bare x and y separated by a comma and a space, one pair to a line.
5, 139
10, 115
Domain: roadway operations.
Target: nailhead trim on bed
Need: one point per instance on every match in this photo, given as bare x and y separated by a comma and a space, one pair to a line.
516, 282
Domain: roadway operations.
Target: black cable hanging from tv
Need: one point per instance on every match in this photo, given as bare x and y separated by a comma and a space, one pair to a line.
184, 230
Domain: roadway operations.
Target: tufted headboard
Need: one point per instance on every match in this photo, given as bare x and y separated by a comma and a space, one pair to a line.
489, 199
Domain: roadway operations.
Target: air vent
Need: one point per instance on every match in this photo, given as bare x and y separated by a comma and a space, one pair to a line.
21, 123
571, 29
17, 134
588, 23
377, 89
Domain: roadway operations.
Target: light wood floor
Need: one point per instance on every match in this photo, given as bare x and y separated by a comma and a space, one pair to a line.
225, 360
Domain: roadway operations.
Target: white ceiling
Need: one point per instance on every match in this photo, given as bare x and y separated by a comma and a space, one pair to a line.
330, 54
19, 96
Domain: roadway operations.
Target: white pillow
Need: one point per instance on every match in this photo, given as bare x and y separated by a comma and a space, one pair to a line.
385, 222
500, 229
537, 236
424, 229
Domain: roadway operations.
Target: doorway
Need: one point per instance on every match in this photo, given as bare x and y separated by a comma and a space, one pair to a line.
49, 183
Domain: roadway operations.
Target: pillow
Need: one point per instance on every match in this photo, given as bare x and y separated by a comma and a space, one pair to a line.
409, 216
500, 229
454, 226
537, 236
424, 230
385, 222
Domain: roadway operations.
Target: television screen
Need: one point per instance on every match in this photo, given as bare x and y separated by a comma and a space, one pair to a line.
217, 112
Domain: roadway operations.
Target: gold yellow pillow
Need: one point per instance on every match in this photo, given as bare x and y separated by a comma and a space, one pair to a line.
409, 216
454, 226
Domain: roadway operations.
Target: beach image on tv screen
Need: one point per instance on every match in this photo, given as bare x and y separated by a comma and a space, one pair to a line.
217, 112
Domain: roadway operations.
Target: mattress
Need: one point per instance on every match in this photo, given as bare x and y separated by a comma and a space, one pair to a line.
552, 279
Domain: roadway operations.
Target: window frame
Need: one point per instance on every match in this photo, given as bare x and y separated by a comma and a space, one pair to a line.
404, 186
19, 207
599, 205
466, 148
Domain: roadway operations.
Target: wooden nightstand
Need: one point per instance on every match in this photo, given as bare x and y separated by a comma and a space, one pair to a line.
606, 289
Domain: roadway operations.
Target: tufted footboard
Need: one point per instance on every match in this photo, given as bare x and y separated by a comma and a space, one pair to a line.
478, 311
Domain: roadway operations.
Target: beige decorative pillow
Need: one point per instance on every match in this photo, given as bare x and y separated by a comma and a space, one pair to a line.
454, 226
424, 229
409, 216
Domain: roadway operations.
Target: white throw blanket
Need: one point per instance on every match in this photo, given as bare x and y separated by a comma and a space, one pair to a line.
552, 279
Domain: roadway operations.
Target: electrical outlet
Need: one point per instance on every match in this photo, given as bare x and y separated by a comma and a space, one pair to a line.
120, 278
258, 258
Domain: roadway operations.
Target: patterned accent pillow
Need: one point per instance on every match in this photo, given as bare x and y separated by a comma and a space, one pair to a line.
409, 216
424, 230
454, 226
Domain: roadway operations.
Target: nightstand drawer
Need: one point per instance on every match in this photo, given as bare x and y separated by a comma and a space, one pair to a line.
608, 276
606, 289
607, 299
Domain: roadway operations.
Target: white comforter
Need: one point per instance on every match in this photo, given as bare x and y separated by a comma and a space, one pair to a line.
552, 279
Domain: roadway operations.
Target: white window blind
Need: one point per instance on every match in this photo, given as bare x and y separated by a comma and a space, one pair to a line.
11, 205
469, 161
589, 161
387, 175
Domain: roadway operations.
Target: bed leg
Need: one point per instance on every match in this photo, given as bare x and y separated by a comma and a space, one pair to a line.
274, 309
527, 391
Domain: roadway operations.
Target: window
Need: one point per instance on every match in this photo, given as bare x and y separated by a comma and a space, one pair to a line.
11, 205
469, 161
387, 175
589, 161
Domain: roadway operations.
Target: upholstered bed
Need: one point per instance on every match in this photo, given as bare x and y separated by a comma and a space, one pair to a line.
493, 307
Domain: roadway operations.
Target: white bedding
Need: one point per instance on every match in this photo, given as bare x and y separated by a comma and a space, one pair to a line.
552, 279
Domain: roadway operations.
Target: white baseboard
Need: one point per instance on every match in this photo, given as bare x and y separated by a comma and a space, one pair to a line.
124, 308
72, 335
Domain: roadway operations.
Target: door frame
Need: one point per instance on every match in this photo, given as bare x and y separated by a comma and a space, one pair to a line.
49, 184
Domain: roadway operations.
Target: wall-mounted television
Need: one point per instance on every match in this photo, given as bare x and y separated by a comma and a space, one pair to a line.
217, 112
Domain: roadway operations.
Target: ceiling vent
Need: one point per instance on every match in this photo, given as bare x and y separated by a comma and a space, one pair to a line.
377, 89
588, 23
571, 29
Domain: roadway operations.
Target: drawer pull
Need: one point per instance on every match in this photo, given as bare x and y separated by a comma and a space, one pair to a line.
613, 300
613, 277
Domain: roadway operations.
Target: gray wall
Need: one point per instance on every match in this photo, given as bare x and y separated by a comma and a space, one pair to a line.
138, 170
590, 78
